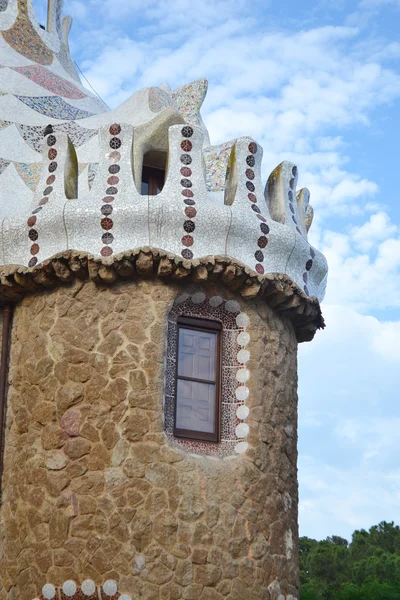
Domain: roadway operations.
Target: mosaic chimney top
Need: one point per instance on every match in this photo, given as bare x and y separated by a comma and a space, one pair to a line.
73, 172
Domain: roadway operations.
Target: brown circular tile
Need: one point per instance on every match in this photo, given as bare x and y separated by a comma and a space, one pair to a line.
33, 235
31, 221
35, 249
32, 262
43, 201
115, 129
262, 241
51, 179
52, 153
108, 198
250, 174
253, 147
187, 240
186, 172
252, 197
48, 190
106, 251
113, 169
107, 223
112, 191
186, 145
187, 193
113, 180
260, 269
190, 212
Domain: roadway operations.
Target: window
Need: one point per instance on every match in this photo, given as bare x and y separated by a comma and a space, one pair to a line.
197, 396
153, 173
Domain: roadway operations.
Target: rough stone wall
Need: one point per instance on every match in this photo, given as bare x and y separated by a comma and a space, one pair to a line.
92, 489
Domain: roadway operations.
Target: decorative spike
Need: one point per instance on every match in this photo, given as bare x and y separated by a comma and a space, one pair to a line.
309, 216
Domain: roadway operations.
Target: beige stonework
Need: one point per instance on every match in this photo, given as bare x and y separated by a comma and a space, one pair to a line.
93, 489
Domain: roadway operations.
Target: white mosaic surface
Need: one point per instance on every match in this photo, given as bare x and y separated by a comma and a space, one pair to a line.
212, 203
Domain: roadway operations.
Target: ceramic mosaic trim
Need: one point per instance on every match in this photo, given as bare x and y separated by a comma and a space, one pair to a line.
308, 267
216, 159
264, 229
3, 164
186, 183
66, 61
189, 98
54, 107
33, 234
234, 373
159, 99
29, 173
4, 124
107, 207
24, 38
92, 172
50, 81
88, 590
33, 134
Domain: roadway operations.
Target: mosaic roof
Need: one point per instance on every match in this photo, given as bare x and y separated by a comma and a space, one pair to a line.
76, 184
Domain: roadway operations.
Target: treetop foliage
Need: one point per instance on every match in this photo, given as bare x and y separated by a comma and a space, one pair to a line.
366, 569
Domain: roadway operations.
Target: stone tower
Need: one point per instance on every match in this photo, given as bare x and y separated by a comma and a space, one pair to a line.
153, 296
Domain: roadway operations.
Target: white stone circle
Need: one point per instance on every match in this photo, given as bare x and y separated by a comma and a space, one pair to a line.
215, 301
49, 591
181, 298
243, 338
88, 587
243, 375
241, 447
198, 298
110, 587
125, 597
242, 320
243, 356
232, 306
242, 430
243, 412
69, 588
242, 393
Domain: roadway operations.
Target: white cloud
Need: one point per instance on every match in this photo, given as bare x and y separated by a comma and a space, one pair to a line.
348, 378
378, 228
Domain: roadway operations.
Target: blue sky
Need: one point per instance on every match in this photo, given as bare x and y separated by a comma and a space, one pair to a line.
317, 83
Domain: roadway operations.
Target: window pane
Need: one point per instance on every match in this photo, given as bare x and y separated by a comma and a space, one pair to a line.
197, 354
195, 406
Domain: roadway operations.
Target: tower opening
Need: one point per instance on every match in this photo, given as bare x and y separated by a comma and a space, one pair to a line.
153, 172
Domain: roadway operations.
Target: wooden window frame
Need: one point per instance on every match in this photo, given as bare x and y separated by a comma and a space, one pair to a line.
207, 325
155, 175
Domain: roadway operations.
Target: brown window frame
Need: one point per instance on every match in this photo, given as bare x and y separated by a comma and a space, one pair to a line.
199, 324
156, 178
